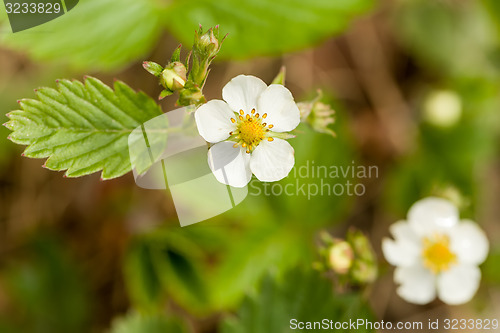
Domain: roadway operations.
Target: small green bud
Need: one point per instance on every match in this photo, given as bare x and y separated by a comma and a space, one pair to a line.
360, 244
364, 269
191, 95
173, 77
340, 257
451, 193
153, 68
363, 272
317, 114
207, 45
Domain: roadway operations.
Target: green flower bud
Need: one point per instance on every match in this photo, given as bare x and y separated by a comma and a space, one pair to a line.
191, 94
207, 45
173, 77
363, 272
340, 257
318, 115
364, 269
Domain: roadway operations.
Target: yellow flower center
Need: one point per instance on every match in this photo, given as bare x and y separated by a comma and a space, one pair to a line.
437, 255
250, 130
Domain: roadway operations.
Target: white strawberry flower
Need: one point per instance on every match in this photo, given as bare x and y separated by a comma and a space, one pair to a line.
436, 254
248, 129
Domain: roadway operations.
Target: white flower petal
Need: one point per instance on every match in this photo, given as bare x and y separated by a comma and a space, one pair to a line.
403, 232
242, 92
417, 284
229, 165
404, 250
272, 161
459, 284
400, 253
282, 112
432, 215
469, 243
213, 120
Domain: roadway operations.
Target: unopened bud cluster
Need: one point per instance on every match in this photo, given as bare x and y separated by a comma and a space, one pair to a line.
188, 77
352, 259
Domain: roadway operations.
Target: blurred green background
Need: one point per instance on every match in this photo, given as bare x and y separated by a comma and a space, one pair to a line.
82, 255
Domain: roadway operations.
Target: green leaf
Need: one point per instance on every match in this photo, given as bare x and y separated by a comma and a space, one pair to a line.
99, 34
249, 258
82, 127
142, 280
258, 27
300, 295
137, 323
181, 274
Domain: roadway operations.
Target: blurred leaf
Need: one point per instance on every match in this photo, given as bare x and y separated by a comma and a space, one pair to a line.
256, 251
262, 27
98, 34
107, 34
305, 296
170, 265
137, 323
450, 38
48, 291
143, 284
82, 127
183, 278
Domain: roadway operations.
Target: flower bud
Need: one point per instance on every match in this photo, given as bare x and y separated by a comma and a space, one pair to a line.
317, 114
443, 108
364, 269
173, 77
191, 94
340, 257
352, 260
363, 272
207, 45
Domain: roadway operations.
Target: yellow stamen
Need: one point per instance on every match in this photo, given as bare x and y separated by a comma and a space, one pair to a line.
250, 130
437, 255
264, 115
